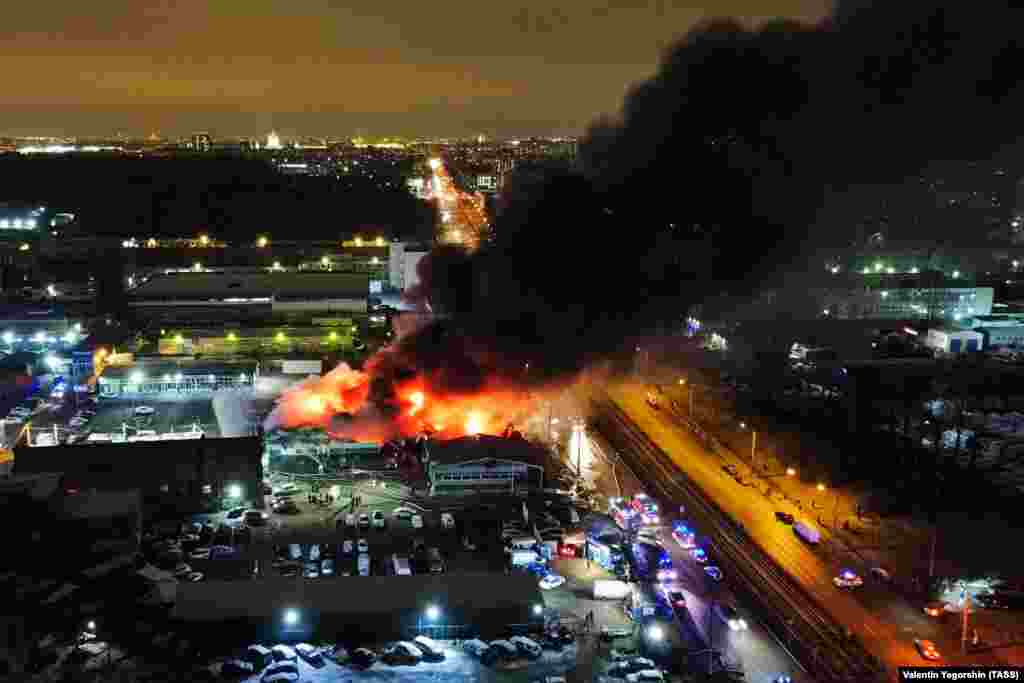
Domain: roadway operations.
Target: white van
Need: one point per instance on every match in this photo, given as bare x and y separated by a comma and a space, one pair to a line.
364, 564
401, 565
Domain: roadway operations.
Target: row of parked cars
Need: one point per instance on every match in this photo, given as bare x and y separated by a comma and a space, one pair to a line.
280, 663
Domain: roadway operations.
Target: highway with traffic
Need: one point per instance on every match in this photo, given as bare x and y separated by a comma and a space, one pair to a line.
463, 220
755, 650
785, 575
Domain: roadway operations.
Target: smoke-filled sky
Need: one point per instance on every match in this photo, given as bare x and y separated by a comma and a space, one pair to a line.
334, 67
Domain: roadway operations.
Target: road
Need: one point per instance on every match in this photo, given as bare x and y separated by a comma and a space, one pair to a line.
755, 651
462, 216
882, 620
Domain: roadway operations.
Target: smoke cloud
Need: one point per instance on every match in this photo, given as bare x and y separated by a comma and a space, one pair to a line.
707, 181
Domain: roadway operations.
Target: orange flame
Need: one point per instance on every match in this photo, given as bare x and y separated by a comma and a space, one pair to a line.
417, 399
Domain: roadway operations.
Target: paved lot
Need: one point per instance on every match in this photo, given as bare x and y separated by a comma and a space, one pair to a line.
172, 414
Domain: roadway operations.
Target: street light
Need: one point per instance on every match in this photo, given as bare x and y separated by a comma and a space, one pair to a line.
234, 491
137, 377
291, 617
432, 612
537, 609
655, 633
753, 444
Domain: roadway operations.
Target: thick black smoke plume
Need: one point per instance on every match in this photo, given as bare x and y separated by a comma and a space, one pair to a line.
715, 168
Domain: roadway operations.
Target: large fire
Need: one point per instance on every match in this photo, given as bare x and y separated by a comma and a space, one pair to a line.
340, 402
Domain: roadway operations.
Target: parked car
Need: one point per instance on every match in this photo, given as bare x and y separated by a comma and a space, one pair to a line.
337, 654
499, 650
282, 653
784, 517
312, 570
417, 522
628, 665
286, 507
364, 520
237, 667
551, 581
526, 646
378, 520
401, 653
363, 546
432, 650
350, 520
234, 516
309, 653
281, 672
434, 561
646, 676
327, 567
475, 647
255, 518
402, 513
362, 658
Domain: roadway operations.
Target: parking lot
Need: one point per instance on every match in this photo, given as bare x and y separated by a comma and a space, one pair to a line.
169, 415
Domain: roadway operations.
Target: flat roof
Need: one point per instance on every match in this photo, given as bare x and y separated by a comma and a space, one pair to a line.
277, 285
157, 367
268, 598
483, 447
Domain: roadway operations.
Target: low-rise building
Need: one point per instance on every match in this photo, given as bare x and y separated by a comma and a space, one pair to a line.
484, 463
954, 340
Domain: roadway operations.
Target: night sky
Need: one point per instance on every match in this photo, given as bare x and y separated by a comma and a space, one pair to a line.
336, 67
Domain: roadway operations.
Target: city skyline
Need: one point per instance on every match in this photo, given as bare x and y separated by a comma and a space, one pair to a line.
317, 68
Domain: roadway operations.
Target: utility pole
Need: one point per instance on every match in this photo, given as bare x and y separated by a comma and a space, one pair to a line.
753, 448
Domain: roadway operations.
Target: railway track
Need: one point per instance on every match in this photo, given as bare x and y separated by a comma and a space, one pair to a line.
821, 644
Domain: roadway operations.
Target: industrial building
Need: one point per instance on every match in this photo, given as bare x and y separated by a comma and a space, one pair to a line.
148, 375
403, 261
326, 334
186, 475
345, 608
474, 463
226, 296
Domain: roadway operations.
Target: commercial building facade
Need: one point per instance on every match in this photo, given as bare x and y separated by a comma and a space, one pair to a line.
483, 462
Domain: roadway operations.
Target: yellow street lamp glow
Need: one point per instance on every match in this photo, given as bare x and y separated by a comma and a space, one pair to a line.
435, 164
232, 336
359, 241
204, 240
821, 487
261, 242
23, 247
333, 335
279, 336
325, 260
197, 265
380, 241
178, 339
277, 265
790, 472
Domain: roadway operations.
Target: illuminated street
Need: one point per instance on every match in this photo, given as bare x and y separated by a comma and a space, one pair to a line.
462, 216
885, 623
